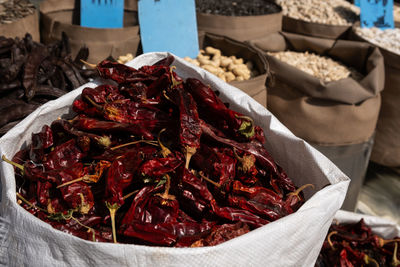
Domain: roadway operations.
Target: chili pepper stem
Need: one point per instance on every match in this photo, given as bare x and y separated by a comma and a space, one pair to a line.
99, 107
368, 260
29, 203
395, 261
174, 81
209, 180
329, 239
91, 65
19, 166
71, 182
383, 242
113, 210
130, 194
301, 188
90, 229
164, 150
166, 194
190, 151
135, 142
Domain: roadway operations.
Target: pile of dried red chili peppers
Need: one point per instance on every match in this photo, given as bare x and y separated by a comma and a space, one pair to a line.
154, 160
354, 244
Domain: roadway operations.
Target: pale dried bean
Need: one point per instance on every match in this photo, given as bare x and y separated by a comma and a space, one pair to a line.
227, 68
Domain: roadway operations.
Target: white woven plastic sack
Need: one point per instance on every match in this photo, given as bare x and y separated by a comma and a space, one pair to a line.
294, 240
385, 228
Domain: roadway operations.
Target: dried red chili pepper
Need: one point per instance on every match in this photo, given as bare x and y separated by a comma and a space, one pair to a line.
63, 156
210, 106
94, 125
40, 142
256, 149
189, 121
159, 166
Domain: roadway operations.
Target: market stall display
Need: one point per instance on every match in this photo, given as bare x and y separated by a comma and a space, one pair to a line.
309, 222
58, 17
32, 74
386, 149
18, 17
229, 64
326, 19
239, 20
337, 117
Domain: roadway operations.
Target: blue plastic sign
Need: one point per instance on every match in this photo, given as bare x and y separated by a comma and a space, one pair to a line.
102, 13
169, 26
377, 13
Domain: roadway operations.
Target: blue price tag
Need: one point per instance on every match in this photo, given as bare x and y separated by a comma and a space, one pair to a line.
377, 13
169, 25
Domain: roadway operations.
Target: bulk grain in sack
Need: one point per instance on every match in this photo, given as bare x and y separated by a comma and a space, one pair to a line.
18, 17
239, 20
235, 62
386, 150
338, 117
290, 241
326, 19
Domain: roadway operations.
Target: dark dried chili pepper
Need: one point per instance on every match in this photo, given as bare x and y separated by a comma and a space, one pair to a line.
210, 106
189, 121
141, 128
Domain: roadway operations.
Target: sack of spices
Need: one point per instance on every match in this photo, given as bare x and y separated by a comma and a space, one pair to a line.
274, 244
239, 20
386, 149
235, 62
360, 240
18, 17
57, 17
325, 96
319, 18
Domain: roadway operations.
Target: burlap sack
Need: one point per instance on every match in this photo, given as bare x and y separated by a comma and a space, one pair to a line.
241, 28
337, 118
254, 87
386, 150
314, 29
336, 113
62, 16
28, 24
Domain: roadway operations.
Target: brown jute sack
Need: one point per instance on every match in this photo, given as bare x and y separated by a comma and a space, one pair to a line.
241, 28
28, 24
61, 16
254, 87
314, 29
386, 150
336, 113
337, 118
